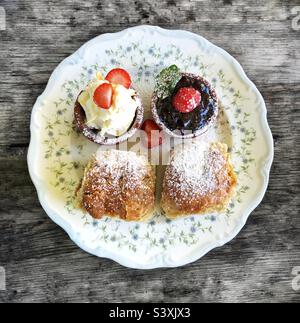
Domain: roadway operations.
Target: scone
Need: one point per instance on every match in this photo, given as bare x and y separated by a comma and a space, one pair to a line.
199, 179
118, 184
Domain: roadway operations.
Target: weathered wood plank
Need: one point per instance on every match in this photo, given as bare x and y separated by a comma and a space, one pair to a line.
42, 264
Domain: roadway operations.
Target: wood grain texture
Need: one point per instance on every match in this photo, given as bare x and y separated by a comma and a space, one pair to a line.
42, 264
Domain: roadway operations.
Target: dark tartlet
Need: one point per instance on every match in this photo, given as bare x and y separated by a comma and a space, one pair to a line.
94, 134
191, 124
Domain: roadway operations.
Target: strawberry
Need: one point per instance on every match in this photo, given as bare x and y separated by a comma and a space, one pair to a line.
119, 76
154, 134
103, 95
186, 99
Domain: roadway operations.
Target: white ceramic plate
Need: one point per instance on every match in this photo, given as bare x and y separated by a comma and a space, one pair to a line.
57, 155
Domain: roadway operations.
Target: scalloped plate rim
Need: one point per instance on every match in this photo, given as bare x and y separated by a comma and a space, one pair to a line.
160, 262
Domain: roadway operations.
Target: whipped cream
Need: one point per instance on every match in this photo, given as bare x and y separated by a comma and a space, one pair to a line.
117, 119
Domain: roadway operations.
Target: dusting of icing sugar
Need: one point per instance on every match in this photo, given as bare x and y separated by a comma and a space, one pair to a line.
194, 170
118, 183
118, 165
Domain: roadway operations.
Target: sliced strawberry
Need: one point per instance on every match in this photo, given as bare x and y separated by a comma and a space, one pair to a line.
103, 95
186, 99
119, 76
154, 134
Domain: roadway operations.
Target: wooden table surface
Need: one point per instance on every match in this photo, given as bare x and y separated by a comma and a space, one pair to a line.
41, 262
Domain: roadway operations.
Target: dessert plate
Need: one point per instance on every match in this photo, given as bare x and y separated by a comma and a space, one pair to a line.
57, 154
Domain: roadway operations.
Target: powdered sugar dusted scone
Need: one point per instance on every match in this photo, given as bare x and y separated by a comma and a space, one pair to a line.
118, 184
199, 179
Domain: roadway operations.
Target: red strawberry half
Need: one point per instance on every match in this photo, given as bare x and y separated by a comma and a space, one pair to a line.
154, 134
119, 76
103, 95
186, 99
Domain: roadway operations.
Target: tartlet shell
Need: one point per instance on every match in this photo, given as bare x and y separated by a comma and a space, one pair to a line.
93, 134
198, 132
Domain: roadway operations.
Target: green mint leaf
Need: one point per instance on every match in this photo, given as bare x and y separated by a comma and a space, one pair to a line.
166, 81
